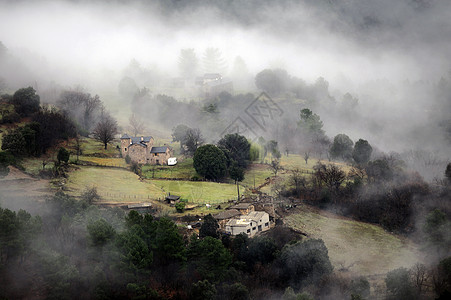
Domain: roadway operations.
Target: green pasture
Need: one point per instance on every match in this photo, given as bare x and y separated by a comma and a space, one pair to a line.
182, 170
113, 185
199, 192
90, 147
356, 246
256, 173
102, 161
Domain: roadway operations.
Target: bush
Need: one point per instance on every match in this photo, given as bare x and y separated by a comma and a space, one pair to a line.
180, 206
128, 159
63, 155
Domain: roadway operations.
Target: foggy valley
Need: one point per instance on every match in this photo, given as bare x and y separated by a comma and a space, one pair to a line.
141, 139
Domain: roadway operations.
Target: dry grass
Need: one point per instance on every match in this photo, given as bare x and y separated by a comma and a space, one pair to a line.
358, 247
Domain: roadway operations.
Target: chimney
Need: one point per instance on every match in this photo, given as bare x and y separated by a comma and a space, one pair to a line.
142, 138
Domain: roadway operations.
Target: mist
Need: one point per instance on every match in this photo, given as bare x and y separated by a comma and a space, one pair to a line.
389, 55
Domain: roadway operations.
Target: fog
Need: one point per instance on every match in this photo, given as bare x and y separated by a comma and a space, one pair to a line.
389, 55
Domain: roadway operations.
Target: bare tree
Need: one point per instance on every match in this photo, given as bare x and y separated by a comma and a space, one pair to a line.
105, 129
306, 156
136, 125
420, 276
275, 166
193, 139
297, 180
331, 175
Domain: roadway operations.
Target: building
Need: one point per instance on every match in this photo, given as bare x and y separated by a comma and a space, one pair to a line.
244, 207
225, 216
250, 224
212, 84
142, 151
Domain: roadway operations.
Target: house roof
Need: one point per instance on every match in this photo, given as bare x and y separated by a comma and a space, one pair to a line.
172, 197
159, 149
125, 136
242, 222
212, 76
140, 139
227, 214
241, 205
256, 215
139, 205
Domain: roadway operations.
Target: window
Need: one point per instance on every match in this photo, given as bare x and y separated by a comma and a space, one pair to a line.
254, 228
248, 231
266, 224
125, 149
259, 227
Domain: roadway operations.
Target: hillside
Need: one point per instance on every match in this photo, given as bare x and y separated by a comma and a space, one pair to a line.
355, 247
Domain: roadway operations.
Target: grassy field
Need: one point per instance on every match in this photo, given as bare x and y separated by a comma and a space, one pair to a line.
103, 161
182, 170
256, 173
199, 192
113, 185
91, 147
358, 247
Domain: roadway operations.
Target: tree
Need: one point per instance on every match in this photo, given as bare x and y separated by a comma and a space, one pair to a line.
179, 134
273, 148
187, 63
275, 166
168, 244
100, 232
136, 125
202, 290
332, 176
5, 161
193, 139
26, 101
304, 263
379, 170
448, 172
210, 162
63, 155
399, 284
362, 152
310, 123
209, 227
82, 108
238, 146
297, 180
213, 62
272, 81
105, 129
236, 173
209, 258
342, 147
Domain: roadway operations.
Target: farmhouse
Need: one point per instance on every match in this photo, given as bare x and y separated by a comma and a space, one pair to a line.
249, 224
142, 151
225, 216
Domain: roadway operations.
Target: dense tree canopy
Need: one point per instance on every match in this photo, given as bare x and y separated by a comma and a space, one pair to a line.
238, 147
26, 101
210, 162
341, 147
362, 152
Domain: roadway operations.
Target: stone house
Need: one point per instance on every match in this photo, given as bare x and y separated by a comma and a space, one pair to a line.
225, 216
142, 151
243, 207
250, 224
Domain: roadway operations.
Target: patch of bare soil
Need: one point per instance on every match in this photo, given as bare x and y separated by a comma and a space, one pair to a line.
19, 184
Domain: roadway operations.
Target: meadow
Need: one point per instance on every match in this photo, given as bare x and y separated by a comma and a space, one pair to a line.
354, 246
